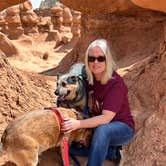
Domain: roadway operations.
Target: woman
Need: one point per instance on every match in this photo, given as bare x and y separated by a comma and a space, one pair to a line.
110, 115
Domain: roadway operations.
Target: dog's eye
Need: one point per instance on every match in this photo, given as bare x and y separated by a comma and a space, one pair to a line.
57, 84
72, 80
63, 84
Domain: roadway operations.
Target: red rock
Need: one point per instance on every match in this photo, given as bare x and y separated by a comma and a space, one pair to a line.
7, 3
7, 46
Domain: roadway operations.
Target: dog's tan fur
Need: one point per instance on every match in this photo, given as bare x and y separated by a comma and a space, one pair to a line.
73, 89
30, 134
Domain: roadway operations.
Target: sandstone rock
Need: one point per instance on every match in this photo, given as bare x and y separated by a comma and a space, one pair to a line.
66, 38
76, 17
11, 11
67, 17
54, 35
159, 5
3, 24
57, 17
57, 11
14, 27
14, 19
147, 82
7, 3
7, 46
96, 6
45, 55
26, 6
44, 24
110, 6
29, 21
76, 25
29, 18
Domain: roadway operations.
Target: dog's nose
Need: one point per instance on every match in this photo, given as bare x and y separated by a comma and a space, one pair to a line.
56, 93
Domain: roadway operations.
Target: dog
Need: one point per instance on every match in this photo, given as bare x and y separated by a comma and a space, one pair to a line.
26, 137
71, 90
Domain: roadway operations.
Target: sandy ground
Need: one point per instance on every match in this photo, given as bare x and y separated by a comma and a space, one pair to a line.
31, 51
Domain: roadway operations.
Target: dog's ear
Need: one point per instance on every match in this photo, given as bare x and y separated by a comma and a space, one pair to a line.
72, 80
83, 72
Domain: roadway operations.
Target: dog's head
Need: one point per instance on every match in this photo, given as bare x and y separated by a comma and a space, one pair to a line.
67, 86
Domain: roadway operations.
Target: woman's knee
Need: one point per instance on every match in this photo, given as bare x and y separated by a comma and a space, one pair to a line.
100, 134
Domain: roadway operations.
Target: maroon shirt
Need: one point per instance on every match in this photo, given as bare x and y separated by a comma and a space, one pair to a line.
111, 96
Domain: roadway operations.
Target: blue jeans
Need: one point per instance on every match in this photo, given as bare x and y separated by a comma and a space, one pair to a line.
104, 138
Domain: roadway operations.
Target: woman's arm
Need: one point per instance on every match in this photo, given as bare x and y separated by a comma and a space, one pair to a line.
73, 124
95, 121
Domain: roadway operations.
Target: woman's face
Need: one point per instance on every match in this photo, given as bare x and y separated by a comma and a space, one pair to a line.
97, 66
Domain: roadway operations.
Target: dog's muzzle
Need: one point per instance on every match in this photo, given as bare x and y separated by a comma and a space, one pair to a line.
62, 97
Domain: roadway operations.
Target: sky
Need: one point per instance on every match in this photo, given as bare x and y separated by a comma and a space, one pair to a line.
35, 3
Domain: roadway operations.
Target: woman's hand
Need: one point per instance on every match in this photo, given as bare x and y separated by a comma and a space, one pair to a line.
69, 125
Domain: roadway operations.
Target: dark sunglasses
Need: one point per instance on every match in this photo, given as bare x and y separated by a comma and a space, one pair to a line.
99, 58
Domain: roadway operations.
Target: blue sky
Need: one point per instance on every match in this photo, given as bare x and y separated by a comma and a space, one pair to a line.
35, 3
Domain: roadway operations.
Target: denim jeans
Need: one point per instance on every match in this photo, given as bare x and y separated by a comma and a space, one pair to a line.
105, 137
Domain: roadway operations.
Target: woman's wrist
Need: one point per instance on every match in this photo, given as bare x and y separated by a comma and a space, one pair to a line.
79, 124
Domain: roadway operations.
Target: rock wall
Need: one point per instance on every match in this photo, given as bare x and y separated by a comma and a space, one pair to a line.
28, 18
159, 5
7, 3
21, 19
7, 46
110, 6
147, 95
96, 6
129, 34
14, 26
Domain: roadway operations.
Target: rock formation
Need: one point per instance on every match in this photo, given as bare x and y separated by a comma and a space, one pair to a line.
7, 46
61, 19
96, 6
3, 24
159, 5
14, 25
7, 3
19, 20
147, 93
110, 6
54, 35
29, 18
44, 24
57, 17
67, 17
76, 24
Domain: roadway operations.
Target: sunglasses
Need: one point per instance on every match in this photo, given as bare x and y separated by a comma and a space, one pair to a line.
99, 58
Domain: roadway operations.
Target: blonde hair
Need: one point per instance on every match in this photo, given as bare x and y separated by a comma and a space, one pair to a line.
110, 64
